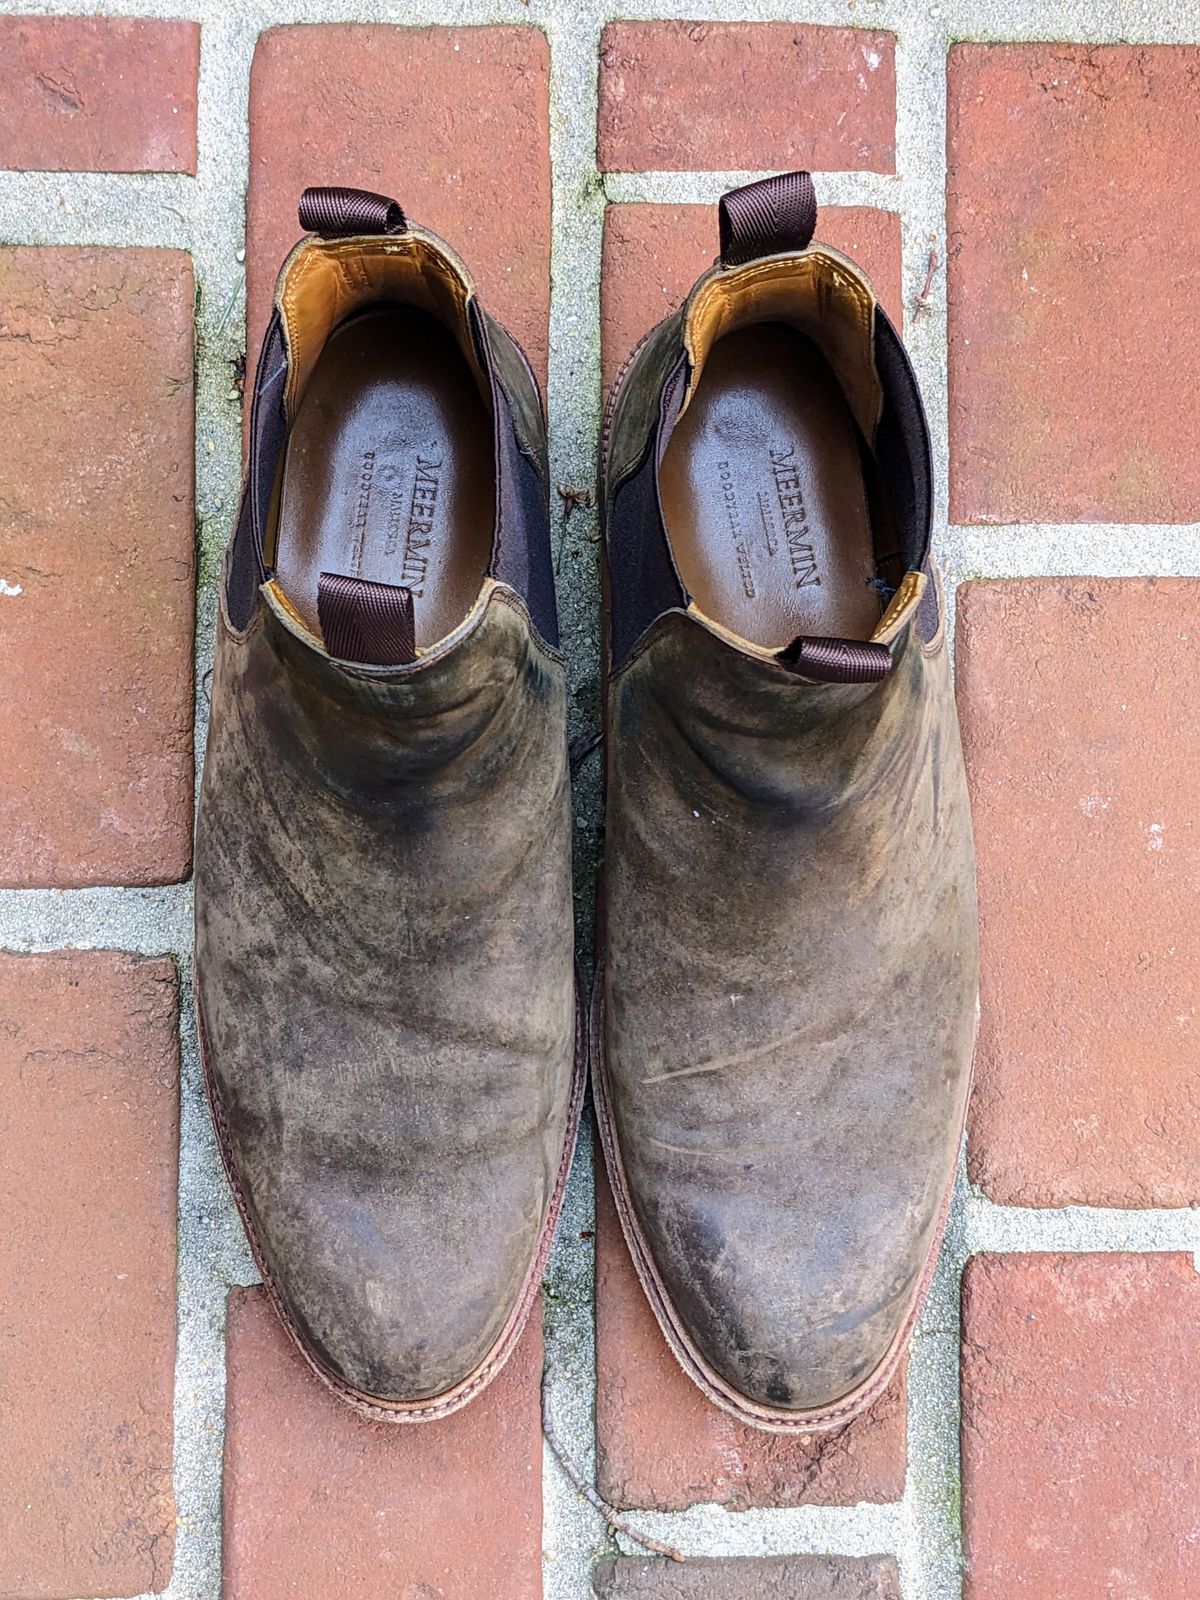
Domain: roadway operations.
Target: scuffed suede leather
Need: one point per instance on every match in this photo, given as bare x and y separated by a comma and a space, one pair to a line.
385, 977
384, 971
790, 984
790, 967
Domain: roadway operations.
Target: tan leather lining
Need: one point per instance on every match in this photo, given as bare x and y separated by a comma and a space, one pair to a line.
324, 281
819, 293
902, 608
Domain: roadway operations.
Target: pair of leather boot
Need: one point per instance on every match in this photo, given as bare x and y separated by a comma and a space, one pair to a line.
391, 1026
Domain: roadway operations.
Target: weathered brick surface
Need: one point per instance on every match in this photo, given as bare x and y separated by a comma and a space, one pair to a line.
320, 1501
654, 253
453, 122
89, 1069
1078, 711
98, 94
1081, 1413
661, 1445
1072, 221
712, 96
97, 537
750, 1578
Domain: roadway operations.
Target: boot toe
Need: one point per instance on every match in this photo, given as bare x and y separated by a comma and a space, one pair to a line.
786, 1324
401, 1314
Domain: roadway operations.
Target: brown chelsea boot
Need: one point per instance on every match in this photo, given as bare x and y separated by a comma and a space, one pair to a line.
786, 1002
384, 978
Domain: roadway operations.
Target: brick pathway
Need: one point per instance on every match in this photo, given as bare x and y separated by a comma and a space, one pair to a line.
1029, 210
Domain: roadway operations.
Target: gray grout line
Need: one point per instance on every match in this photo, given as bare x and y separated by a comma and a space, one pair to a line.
883, 191
95, 208
205, 216
146, 921
213, 1250
709, 1530
1083, 549
1005, 1229
929, 1550
572, 1531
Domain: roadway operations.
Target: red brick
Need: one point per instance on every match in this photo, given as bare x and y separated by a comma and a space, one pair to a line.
1078, 706
453, 122
661, 1445
98, 94
97, 538
1073, 216
654, 253
319, 1501
1080, 1418
712, 96
89, 1126
750, 1578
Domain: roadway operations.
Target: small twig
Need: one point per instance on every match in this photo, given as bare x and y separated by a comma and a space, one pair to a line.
921, 303
573, 499
613, 1518
581, 747
229, 305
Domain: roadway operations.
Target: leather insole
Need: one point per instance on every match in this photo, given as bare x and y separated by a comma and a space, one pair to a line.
389, 473
764, 495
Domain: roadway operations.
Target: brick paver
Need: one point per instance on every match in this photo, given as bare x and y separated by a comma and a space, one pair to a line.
1081, 1413
453, 122
1071, 220
1078, 711
98, 94
319, 1501
654, 253
713, 96
89, 1065
97, 537
750, 1578
660, 1444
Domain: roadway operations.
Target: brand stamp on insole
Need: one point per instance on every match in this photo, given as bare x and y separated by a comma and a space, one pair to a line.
403, 517
362, 503
782, 515
790, 499
741, 551
412, 510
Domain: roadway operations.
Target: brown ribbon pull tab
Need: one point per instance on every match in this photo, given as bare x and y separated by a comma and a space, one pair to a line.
838, 660
767, 218
372, 623
336, 213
